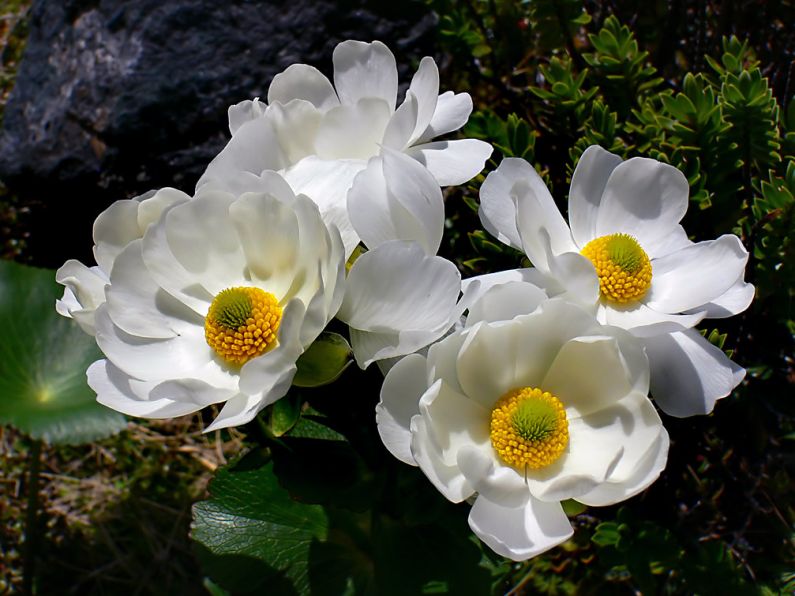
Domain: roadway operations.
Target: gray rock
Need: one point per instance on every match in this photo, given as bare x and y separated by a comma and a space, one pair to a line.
116, 97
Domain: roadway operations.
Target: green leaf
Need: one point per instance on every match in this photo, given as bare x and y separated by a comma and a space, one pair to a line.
252, 534
285, 414
43, 362
324, 361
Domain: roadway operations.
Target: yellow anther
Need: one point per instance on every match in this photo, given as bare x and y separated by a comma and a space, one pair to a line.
623, 267
242, 323
529, 428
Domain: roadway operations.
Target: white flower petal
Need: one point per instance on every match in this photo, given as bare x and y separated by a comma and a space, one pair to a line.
114, 229
733, 301
236, 411
138, 306
113, 390
301, 81
267, 229
243, 111
365, 70
522, 532
400, 395
643, 321
253, 149
497, 207
273, 371
598, 445
452, 112
696, 275
353, 131
689, 374
453, 420
541, 226
425, 87
448, 480
498, 358
489, 477
644, 198
452, 162
327, 183
401, 125
621, 487
395, 198
397, 286
84, 292
480, 284
585, 195
503, 302
296, 125
589, 374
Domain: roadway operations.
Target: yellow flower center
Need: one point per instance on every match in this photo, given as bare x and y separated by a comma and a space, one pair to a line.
242, 323
529, 428
623, 267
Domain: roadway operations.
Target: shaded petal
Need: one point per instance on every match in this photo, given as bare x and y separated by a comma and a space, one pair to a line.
497, 358
353, 131
620, 487
453, 420
522, 532
253, 149
733, 301
400, 395
402, 124
448, 480
365, 70
696, 275
599, 444
503, 302
495, 481
269, 376
480, 284
644, 198
301, 81
296, 125
542, 229
397, 286
84, 292
138, 306
585, 195
643, 321
497, 207
114, 229
113, 390
452, 112
242, 112
327, 183
589, 374
452, 162
236, 411
689, 374
395, 198
425, 87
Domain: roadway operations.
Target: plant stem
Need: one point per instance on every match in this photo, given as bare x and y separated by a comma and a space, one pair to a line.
32, 518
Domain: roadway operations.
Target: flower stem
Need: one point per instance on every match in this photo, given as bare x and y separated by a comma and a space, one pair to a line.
32, 518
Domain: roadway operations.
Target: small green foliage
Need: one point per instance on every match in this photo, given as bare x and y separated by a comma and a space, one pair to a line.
556, 22
620, 67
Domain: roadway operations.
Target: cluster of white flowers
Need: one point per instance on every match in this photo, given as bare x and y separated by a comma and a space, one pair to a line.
517, 390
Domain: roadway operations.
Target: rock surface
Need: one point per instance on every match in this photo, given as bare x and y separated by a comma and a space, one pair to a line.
116, 97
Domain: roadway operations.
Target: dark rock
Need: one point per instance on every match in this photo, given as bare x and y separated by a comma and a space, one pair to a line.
116, 97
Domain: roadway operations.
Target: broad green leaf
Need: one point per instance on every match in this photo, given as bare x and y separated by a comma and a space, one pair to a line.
324, 361
43, 362
252, 534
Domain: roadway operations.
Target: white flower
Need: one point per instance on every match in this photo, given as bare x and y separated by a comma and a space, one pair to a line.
321, 136
524, 412
215, 303
398, 300
114, 228
627, 255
